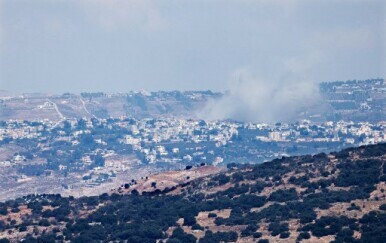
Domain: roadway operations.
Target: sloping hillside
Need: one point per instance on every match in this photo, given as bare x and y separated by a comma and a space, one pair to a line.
102, 105
339, 197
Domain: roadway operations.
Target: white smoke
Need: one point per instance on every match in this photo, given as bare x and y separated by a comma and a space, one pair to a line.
258, 99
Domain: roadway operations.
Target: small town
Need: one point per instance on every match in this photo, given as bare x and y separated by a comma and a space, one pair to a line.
92, 140
97, 150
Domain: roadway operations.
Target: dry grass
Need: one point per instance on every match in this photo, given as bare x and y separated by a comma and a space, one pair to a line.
171, 179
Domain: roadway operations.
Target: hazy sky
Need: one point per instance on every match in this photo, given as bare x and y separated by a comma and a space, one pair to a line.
121, 45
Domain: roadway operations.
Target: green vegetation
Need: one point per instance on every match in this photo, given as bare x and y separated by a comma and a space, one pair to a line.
148, 217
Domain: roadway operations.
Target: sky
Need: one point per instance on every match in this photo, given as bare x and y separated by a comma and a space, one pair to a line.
121, 45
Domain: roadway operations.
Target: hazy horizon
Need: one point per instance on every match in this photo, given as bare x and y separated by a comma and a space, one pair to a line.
118, 46
269, 55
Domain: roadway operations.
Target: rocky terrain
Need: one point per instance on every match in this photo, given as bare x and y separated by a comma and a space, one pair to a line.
336, 197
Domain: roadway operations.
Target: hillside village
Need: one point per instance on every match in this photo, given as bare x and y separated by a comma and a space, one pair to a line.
96, 151
89, 141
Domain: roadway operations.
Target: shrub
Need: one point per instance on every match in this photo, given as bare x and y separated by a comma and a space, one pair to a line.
383, 207
249, 230
222, 179
284, 195
304, 235
23, 228
263, 241
197, 227
284, 235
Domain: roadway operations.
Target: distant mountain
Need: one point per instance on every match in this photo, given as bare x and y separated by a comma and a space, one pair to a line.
355, 100
103, 105
336, 197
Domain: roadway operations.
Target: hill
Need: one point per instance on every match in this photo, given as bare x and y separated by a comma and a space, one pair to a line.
352, 100
102, 105
336, 197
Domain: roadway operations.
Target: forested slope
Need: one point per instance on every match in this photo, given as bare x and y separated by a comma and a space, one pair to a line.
339, 197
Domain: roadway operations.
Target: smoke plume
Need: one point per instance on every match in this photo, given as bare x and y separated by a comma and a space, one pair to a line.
270, 99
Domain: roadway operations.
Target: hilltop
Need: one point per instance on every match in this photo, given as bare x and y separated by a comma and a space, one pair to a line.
354, 100
336, 197
141, 104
